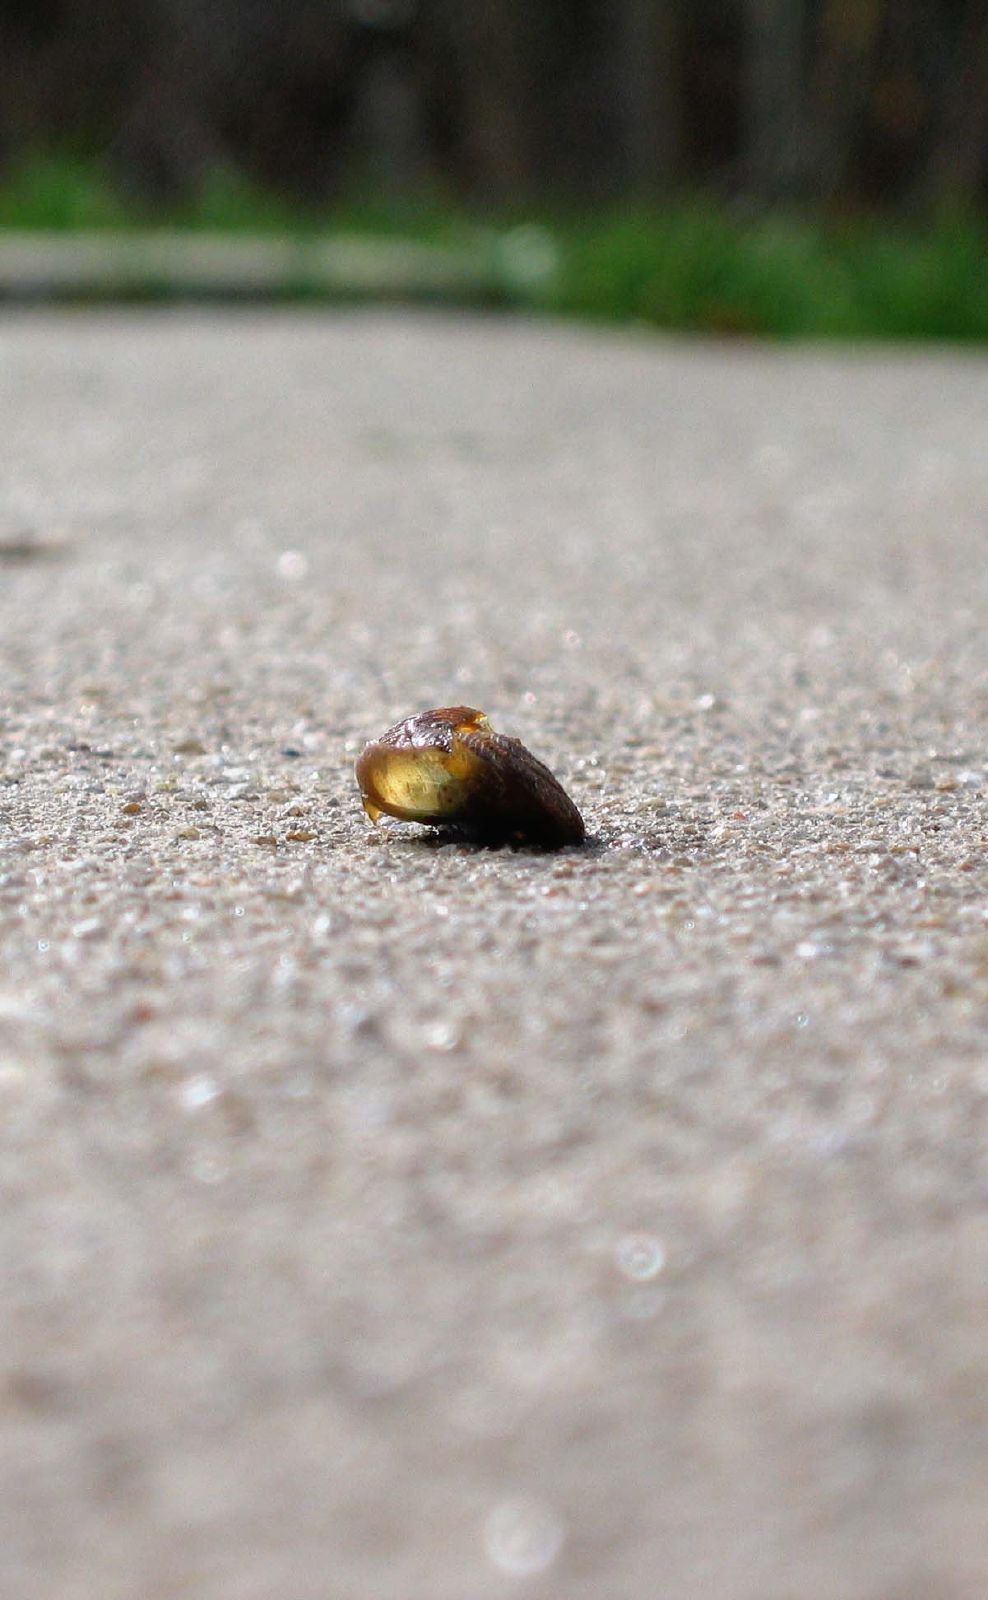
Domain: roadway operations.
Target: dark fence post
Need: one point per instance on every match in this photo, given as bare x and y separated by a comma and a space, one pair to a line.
776, 133
648, 108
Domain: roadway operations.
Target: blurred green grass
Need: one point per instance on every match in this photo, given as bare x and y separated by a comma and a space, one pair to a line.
65, 194
707, 270
688, 265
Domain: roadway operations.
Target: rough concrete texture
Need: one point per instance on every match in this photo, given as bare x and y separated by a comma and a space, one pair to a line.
389, 1219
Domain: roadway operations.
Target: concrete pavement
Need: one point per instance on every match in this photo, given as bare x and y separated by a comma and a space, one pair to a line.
388, 1219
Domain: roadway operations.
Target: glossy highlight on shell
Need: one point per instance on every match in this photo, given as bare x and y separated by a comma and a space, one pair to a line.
448, 768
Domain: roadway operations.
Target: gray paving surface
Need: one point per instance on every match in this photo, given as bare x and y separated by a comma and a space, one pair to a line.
385, 1219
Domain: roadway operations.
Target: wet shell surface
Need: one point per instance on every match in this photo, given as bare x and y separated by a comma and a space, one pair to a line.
448, 768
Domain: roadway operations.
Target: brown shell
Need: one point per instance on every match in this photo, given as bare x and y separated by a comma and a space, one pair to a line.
448, 768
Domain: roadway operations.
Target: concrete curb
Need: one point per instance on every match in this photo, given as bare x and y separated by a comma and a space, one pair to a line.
92, 266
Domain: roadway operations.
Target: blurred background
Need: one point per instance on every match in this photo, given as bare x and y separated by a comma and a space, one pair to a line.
780, 166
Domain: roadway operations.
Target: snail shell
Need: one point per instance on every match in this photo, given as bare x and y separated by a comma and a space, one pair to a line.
448, 768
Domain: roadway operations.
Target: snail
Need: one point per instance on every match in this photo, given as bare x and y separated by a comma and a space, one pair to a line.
448, 768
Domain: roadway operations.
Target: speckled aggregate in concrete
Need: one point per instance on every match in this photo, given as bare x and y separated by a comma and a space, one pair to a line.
387, 1219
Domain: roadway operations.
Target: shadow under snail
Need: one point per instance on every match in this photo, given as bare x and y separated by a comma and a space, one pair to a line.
449, 769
